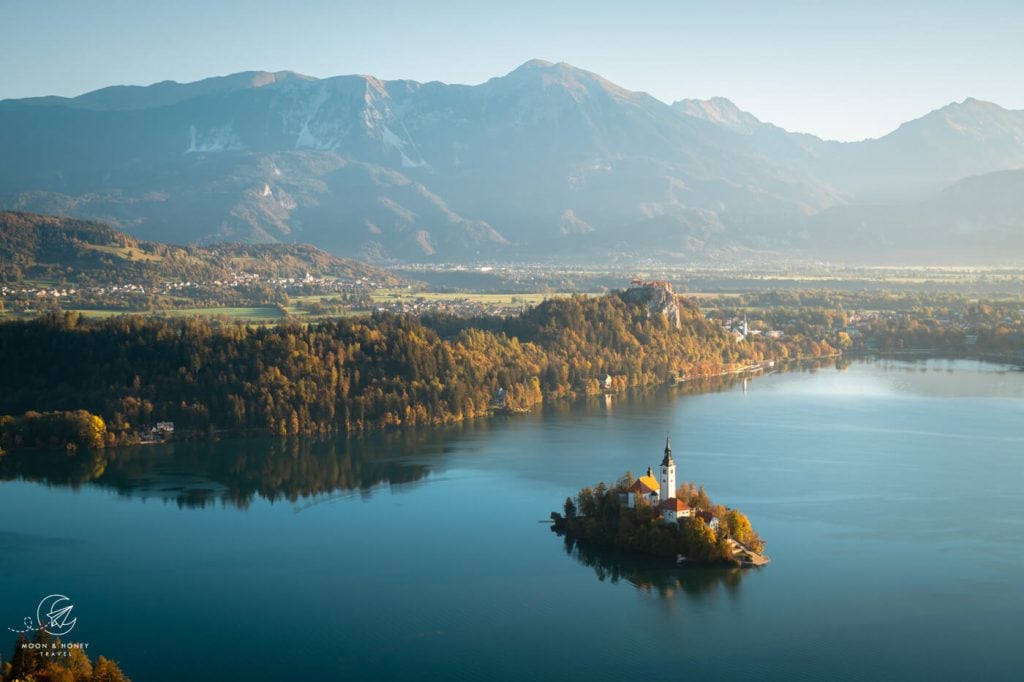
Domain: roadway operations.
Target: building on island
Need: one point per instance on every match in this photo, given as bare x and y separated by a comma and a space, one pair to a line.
660, 493
646, 487
674, 509
708, 518
668, 473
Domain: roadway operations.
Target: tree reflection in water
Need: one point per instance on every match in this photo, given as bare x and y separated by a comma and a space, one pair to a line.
653, 575
235, 472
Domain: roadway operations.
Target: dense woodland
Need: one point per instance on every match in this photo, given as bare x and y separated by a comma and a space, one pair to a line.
272, 469
978, 328
80, 383
597, 517
944, 324
339, 375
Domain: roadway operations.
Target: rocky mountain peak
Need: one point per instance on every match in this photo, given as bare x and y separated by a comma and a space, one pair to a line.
721, 111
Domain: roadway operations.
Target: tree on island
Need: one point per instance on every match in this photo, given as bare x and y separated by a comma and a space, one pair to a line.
570, 508
599, 516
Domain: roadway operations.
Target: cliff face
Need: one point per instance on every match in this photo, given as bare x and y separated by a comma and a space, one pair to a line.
658, 298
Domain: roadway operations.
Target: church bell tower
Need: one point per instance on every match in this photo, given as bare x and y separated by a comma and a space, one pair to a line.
668, 474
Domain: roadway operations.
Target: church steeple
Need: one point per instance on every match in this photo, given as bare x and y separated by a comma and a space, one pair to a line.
667, 459
667, 490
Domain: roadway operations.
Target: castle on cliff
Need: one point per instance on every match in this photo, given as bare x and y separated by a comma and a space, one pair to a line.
657, 295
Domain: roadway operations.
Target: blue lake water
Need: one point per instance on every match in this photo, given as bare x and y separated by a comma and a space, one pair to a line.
889, 493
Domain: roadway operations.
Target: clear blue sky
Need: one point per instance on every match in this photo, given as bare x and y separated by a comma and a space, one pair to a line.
843, 70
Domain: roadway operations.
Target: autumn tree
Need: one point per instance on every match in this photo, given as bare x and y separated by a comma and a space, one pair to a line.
570, 508
738, 525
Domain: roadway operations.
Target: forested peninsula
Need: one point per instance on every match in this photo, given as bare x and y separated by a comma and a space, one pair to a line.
68, 382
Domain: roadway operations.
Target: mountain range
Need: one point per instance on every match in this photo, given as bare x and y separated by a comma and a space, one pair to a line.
549, 161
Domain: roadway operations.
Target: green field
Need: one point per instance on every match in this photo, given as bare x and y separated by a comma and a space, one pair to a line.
258, 313
126, 253
393, 295
273, 314
254, 314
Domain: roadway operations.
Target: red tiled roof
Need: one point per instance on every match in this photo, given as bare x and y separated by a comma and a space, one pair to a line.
674, 504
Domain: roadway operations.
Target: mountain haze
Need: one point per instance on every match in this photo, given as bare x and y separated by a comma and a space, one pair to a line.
964, 223
547, 161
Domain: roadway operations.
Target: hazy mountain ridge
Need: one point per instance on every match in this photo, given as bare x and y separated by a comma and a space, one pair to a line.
924, 155
920, 157
165, 93
548, 160
965, 223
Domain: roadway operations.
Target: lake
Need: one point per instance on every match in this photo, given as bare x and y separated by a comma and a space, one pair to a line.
889, 494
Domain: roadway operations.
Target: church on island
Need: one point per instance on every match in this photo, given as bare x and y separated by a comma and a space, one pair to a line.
660, 494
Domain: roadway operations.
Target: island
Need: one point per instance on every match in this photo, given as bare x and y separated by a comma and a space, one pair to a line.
652, 516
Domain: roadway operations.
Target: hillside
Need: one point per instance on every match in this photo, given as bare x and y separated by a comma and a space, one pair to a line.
346, 374
38, 247
546, 162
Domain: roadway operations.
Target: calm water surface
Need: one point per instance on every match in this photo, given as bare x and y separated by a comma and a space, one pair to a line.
890, 494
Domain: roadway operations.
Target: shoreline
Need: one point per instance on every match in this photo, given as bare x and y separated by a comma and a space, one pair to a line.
195, 436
